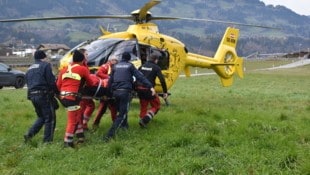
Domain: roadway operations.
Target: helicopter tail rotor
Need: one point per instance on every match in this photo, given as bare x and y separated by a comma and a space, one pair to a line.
228, 62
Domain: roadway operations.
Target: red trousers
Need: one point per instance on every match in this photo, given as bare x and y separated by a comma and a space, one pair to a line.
87, 107
74, 119
103, 105
144, 104
74, 125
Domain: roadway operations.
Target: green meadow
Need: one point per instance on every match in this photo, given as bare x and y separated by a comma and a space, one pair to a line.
260, 125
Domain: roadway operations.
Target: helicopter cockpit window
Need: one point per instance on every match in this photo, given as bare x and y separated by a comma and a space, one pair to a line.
99, 50
125, 46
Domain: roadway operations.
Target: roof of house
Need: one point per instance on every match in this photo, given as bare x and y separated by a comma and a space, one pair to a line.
53, 47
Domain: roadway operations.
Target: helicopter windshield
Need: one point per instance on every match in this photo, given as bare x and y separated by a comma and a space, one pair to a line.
129, 46
99, 51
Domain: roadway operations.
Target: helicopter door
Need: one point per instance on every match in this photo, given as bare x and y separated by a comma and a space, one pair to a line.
144, 52
163, 61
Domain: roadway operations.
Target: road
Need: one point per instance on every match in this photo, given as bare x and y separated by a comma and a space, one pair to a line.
302, 62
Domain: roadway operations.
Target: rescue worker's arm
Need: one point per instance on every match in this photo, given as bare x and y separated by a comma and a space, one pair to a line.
50, 78
85, 73
59, 80
102, 72
141, 78
110, 81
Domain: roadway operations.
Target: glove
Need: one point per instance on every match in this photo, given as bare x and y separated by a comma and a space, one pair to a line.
153, 91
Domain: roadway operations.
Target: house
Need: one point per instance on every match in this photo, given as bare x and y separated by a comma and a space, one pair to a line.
54, 49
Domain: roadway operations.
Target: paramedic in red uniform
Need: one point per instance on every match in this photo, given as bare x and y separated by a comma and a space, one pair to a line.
87, 104
70, 81
104, 72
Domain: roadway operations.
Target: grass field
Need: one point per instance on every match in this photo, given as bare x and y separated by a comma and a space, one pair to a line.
260, 125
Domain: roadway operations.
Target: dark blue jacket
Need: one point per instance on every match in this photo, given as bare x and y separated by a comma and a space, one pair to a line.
122, 76
39, 77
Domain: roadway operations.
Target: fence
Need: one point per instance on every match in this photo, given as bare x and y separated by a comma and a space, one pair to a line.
14, 61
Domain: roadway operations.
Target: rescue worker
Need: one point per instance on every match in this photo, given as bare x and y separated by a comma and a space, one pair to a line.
41, 89
121, 84
87, 104
70, 81
150, 70
104, 72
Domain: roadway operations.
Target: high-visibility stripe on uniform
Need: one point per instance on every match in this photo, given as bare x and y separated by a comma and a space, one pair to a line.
70, 74
109, 69
73, 108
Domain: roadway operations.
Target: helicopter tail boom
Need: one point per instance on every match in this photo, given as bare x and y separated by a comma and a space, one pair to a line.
225, 62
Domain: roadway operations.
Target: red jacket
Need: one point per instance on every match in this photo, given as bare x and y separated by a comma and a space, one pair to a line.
104, 71
73, 77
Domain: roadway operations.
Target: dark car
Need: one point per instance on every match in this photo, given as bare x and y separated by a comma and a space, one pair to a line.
11, 77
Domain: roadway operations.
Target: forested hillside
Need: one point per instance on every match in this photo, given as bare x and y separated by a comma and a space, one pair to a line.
198, 36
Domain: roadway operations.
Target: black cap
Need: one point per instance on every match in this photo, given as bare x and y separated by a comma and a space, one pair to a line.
39, 54
126, 56
78, 56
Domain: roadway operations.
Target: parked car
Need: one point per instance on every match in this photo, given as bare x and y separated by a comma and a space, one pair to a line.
11, 77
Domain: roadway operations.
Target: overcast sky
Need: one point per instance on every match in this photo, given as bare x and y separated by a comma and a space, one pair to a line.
301, 7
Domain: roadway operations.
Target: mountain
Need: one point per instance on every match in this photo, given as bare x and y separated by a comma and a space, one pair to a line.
200, 37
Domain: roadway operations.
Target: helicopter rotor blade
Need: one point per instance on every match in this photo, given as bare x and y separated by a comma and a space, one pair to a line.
143, 11
128, 17
68, 17
230, 22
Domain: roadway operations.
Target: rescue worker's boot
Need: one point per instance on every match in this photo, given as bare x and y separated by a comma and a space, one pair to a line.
80, 140
146, 119
124, 124
95, 126
106, 139
68, 145
27, 138
142, 124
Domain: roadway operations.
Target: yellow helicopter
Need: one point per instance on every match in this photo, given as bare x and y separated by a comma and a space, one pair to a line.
143, 37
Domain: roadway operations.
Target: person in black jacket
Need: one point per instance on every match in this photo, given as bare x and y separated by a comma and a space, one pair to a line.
41, 89
150, 70
121, 84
